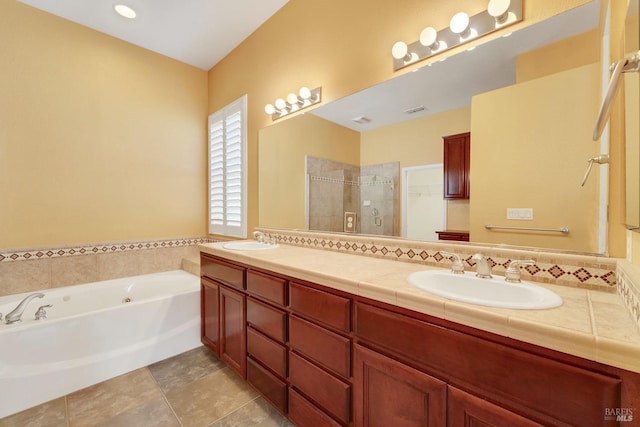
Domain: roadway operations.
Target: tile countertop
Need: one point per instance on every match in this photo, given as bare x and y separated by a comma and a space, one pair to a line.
590, 324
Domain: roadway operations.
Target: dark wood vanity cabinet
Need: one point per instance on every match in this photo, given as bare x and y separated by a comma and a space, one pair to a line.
457, 150
328, 358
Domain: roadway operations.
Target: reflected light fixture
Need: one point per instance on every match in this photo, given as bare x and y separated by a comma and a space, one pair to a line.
462, 29
305, 98
499, 10
125, 11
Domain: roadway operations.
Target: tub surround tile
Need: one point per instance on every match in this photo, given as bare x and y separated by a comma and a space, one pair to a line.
204, 401
66, 271
26, 276
36, 269
191, 265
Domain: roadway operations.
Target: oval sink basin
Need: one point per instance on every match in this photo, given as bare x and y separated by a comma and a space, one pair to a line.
495, 292
248, 245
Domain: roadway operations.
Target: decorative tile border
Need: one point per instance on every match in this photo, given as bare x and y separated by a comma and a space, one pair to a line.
628, 278
583, 271
9, 255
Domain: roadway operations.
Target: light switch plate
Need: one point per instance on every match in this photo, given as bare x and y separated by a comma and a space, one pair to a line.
525, 214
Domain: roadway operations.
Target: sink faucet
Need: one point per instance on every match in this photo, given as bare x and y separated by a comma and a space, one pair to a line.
259, 236
16, 314
483, 268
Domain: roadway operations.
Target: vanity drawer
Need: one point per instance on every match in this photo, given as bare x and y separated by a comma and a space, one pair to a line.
268, 320
304, 413
332, 310
270, 288
272, 388
329, 349
268, 352
226, 273
332, 394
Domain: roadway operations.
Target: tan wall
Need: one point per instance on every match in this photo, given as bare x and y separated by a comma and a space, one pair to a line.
99, 140
282, 152
343, 46
543, 180
553, 58
419, 142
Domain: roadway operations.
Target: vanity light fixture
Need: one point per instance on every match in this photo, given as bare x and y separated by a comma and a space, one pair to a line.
462, 29
125, 11
305, 98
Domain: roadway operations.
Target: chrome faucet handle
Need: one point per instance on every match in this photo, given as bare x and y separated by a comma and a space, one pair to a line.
41, 314
456, 265
259, 236
512, 274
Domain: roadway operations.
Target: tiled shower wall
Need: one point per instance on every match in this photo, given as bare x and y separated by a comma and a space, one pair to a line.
29, 270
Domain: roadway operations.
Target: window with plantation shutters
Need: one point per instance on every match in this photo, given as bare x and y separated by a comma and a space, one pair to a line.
227, 170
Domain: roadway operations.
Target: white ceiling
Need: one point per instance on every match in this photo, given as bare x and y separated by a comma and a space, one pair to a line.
197, 32
450, 84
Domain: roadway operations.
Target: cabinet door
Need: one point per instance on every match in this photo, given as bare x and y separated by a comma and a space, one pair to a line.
456, 166
466, 410
209, 311
389, 393
232, 329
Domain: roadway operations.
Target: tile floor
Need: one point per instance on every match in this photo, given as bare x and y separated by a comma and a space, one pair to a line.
193, 389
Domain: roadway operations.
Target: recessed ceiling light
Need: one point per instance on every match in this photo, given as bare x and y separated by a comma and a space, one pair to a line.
125, 11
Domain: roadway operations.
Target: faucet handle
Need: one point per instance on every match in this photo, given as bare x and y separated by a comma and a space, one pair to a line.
456, 266
259, 236
42, 313
512, 274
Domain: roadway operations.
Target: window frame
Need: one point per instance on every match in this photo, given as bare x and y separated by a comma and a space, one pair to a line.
215, 119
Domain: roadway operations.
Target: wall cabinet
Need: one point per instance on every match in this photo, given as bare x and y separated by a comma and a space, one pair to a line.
327, 358
457, 150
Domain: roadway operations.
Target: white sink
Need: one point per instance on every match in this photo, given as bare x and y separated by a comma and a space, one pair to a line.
495, 292
248, 245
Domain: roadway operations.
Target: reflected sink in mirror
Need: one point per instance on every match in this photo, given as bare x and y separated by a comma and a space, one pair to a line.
495, 292
249, 245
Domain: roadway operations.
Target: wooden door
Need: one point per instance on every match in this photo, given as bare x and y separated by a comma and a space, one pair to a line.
209, 312
232, 329
456, 166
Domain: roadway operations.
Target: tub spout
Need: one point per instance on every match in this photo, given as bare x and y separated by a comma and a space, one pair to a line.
16, 315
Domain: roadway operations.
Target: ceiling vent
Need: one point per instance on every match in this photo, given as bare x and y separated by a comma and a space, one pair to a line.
361, 119
415, 109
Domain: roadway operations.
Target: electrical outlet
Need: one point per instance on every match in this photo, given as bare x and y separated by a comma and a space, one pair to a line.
350, 222
525, 214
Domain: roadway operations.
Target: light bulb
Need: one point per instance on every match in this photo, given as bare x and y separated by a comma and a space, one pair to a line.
400, 50
269, 109
125, 11
429, 38
499, 9
305, 93
292, 99
459, 23
280, 104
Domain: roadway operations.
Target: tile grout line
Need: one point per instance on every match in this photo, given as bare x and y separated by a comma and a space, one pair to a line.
164, 397
235, 410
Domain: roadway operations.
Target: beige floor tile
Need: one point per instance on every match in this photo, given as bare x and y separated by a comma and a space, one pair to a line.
210, 398
156, 413
258, 412
96, 404
50, 414
185, 368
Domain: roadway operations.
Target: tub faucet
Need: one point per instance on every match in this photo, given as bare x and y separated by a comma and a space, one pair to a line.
483, 268
16, 314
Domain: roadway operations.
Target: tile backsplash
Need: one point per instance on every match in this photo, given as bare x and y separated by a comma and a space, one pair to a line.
29, 270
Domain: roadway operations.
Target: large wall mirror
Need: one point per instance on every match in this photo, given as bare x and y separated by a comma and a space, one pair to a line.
528, 101
632, 119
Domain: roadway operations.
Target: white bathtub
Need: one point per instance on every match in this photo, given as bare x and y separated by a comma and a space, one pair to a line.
94, 332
